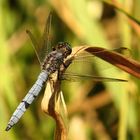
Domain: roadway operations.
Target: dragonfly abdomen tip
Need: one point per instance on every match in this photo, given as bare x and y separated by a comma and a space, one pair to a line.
8, 127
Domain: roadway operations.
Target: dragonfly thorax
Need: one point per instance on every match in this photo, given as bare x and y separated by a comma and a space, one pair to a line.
55, 59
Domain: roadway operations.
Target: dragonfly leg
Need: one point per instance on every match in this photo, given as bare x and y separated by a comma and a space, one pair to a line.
67, 63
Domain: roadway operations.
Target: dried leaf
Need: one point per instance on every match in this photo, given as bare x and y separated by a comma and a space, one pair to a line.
126, 64
54, 106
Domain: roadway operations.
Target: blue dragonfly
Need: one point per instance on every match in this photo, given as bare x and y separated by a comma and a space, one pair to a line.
51, 60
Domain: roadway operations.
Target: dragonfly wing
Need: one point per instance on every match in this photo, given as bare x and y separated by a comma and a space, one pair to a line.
90, 60
35, 44
43, 47
73, 77
45, 41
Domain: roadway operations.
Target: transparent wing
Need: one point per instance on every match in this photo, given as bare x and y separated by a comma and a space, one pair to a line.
43, 47
35, 44
81, 70
73, 77
45, 39
84, 58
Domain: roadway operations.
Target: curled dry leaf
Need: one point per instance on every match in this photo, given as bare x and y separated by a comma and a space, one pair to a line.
126, 64
53, 105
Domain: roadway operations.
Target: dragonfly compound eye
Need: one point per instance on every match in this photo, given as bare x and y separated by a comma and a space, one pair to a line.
68, 47
65, 47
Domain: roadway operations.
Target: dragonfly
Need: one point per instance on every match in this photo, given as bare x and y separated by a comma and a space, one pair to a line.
51, 60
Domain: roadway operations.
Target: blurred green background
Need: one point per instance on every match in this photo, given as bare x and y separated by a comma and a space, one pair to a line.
96, 111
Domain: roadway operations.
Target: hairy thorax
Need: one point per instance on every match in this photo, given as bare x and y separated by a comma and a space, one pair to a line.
52, 62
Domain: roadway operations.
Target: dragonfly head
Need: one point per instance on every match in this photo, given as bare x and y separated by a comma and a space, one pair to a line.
63, 47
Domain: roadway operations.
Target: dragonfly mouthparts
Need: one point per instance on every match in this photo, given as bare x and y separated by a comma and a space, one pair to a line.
8, 127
